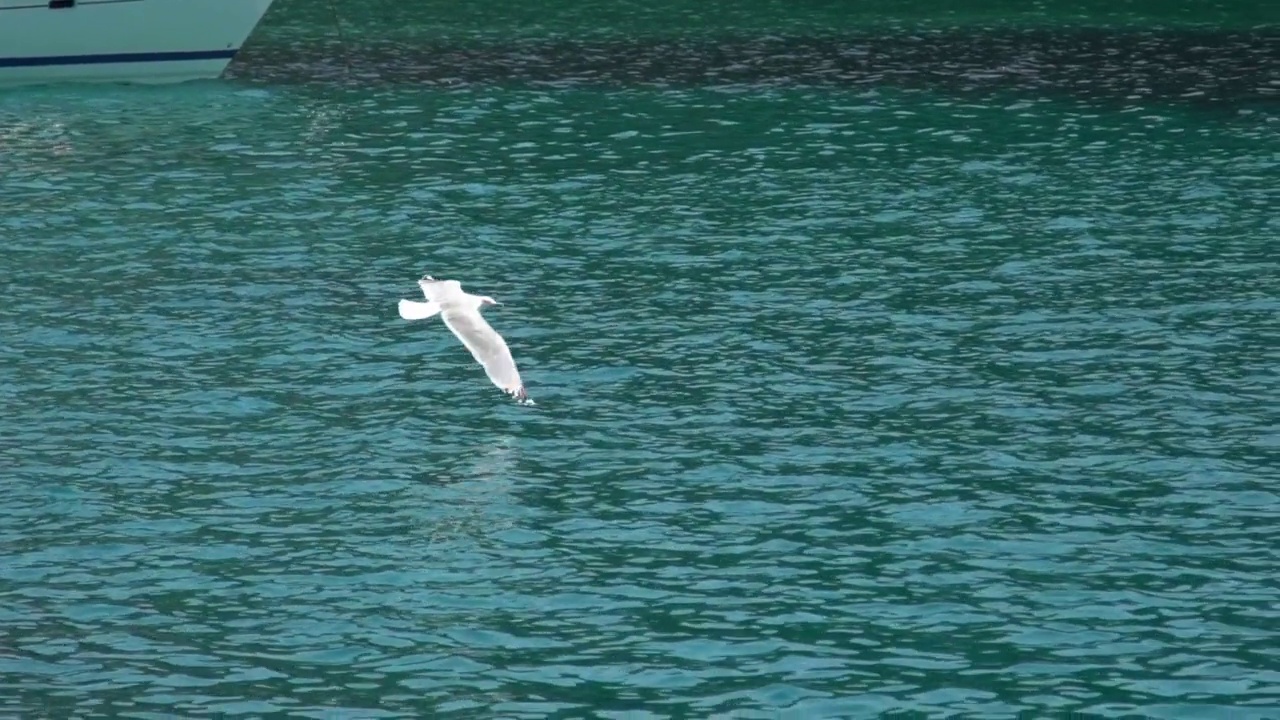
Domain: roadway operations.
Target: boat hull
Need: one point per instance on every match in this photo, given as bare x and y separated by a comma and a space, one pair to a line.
138, 41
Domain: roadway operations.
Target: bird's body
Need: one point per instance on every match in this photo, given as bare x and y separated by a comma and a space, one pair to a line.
460, 312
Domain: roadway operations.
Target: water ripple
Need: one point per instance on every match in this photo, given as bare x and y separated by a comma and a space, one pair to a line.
850, 402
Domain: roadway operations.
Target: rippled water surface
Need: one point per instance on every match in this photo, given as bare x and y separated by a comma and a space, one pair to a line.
853, 397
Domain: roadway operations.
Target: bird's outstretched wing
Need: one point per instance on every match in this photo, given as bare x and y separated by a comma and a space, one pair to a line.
487, 347
440, 291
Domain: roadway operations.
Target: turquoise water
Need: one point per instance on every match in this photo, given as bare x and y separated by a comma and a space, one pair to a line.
861, 390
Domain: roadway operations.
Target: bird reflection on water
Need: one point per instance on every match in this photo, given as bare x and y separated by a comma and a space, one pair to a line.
469, 494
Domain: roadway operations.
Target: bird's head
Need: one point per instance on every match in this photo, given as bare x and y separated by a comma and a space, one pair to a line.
486, 300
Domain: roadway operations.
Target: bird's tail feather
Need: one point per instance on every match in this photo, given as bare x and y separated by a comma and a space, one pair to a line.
410, 310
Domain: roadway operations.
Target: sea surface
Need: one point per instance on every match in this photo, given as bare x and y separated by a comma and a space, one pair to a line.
894, 363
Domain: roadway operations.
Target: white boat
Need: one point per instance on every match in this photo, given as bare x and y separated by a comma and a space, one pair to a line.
141, 41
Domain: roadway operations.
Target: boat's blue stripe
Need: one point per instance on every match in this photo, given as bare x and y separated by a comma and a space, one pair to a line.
81, 3
115, 58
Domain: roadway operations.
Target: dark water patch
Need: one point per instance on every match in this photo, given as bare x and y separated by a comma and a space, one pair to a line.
670, 18
1193, 66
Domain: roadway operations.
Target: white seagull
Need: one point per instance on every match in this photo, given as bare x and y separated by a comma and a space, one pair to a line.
461, 314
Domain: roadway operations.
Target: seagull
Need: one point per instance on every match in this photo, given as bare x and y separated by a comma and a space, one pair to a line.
460, 312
